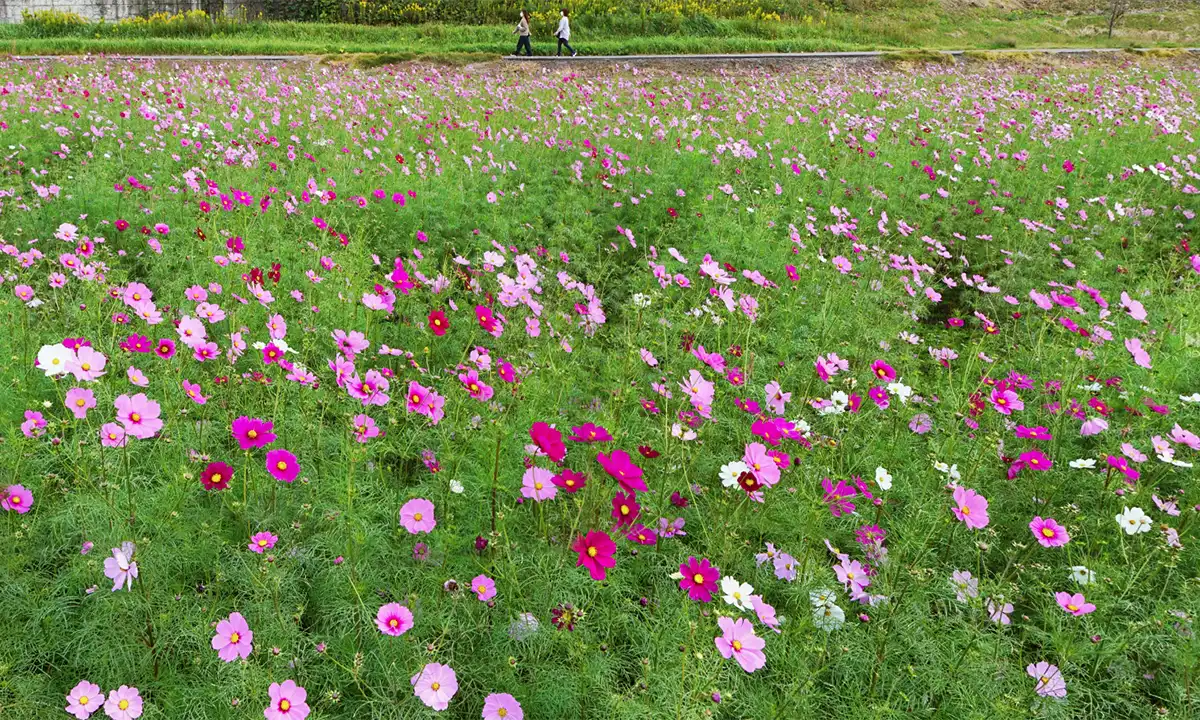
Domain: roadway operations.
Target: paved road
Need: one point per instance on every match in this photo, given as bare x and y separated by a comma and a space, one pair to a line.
797, 57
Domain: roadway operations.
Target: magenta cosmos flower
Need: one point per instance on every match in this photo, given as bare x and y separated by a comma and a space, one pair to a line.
79, 401
416, 516
216, 476
621, 468
595, 553
502, 706
365, 428
1074, 604
263, 541
483, 587
17, 498
287, 702
282, 465
548, 441
394, 619
589, 433
1050, 682
970, 507
436, 684
194, 392
252, 432
1048, 533
699, 579
883, 371
124, 703
739, 642
138, 415
233, 638
84, 699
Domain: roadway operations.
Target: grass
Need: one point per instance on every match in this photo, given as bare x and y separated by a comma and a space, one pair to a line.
976, 227
922, 26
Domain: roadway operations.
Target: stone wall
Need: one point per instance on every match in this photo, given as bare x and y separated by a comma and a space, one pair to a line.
10, 10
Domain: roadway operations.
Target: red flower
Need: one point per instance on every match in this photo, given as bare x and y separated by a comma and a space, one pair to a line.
438, 324
596, 553
216, 476
625, 509
648, 452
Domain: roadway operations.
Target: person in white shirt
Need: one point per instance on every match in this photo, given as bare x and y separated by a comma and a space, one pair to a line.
564, 34
522, 33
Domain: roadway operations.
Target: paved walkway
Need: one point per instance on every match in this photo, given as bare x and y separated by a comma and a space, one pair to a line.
796, 57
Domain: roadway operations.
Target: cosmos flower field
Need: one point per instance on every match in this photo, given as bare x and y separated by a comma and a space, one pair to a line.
621, 393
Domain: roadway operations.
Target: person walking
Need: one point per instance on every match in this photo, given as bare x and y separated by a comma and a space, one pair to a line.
564, 34
522, 33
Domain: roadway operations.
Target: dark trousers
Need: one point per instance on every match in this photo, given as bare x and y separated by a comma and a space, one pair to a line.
563, 43
523, 42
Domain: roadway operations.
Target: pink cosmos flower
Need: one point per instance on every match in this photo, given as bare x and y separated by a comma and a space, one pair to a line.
765, 612
476, 388
137, 377
84, 699
1074, 604
699, 579
194, 392
1035, 460
777, 399
761, 465
621, 468
416, 516
502, 706
1050, 682
739, 642
124, 703
365, 428
394, 619
165, 348
1048, 533
971, 508
88, 364
416, 397
1006, 402
253, 432
1140, 356
121, 568
436, 684
537, 484
34, 424
548, 440
262, 541
17, 499
287, 701
233, 639
112, 435
589, 433
641, 535
883, 371
282, 465
139, 415
595, 553
483, 587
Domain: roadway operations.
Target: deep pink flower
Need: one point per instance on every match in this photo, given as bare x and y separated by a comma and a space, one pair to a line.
263, 541
595, 553
548, 440
621, 468
1035, 460
1048, 533
282, 465
233, 638
253, 432
641, 535
17, 499
699, 579
216, 476
589, 433
625, 509
883, 371
569, 480
194, 392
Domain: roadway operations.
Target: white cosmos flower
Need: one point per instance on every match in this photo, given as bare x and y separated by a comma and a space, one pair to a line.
1081, 575
456, 487
828, 617
900, 391
1083, 463
737, 593
822, 598
1134, 521
1193, 398
53, 359
883, 478
730, 472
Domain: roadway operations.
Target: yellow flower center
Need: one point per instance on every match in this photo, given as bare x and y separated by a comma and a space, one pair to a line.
415, 398
80, 402
281, 465
234, 637
216, 477
83, 699
124, 705
252, 434
262, 543
698, 579
965, 510
15, 500
137, 296
436, 686
1072, 607
537, 486
1047, 532
570, 482
474, 387
285, 705
86, 366
481, 589
502, 712
737, 645
624, 509
417, 517
394, 623
135, 417
592, 552
362, 428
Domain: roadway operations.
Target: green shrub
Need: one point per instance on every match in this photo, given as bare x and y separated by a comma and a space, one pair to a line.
52, 23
